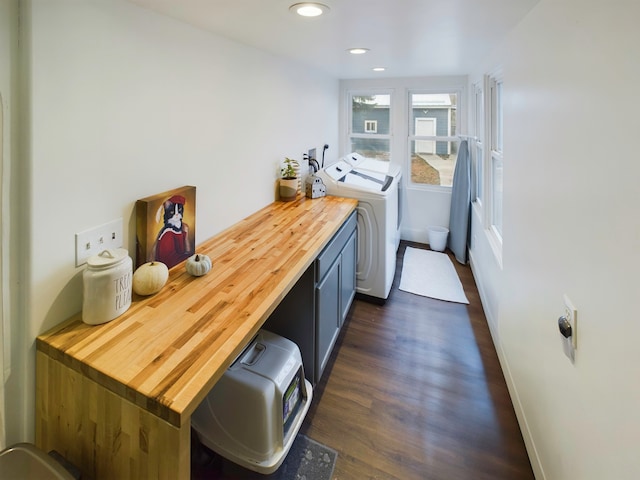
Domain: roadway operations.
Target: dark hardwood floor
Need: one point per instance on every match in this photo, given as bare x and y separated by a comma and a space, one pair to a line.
414, 390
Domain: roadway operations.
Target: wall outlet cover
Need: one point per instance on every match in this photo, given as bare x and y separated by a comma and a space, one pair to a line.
95, 240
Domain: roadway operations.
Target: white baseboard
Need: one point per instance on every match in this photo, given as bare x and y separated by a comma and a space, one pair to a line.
414, 235
492, 322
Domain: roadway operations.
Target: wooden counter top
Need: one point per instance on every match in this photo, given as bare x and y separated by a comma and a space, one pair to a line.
168, 350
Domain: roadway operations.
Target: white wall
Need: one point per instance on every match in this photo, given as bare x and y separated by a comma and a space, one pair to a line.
423, 206
123, 103
9, 333
571, 225
6, 28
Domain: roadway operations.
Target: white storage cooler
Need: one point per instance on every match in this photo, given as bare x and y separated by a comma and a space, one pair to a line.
253, 413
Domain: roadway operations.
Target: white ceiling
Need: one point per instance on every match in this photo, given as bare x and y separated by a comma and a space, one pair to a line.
408, 37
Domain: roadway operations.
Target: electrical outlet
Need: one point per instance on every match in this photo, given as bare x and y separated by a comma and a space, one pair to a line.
571, 314
95, 240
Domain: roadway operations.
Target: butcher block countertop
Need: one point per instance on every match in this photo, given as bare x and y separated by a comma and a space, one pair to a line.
168, 350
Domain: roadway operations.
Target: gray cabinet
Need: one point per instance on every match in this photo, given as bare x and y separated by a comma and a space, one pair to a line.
327, 316
348, 276
313, 312
334, 293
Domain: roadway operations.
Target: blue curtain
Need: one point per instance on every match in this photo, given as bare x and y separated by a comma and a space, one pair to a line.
460, 216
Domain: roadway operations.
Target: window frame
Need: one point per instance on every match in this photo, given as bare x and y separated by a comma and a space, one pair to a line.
494, 103
476, 146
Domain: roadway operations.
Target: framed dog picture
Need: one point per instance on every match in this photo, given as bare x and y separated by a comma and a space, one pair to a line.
166, 227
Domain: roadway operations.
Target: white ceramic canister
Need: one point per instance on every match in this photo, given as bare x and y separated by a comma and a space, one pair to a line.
106, 286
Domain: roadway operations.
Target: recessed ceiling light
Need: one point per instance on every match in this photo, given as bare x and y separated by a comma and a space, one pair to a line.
309, 9
358, 50
378, 69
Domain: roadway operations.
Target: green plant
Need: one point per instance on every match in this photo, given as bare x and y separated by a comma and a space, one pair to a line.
288, 170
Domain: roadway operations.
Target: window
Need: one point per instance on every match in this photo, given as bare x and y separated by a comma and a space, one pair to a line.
476, 148
370, 126
486, 150
370, 132
495, 85
433, 145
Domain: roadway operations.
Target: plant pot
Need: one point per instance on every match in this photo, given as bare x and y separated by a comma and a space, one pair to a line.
288, 189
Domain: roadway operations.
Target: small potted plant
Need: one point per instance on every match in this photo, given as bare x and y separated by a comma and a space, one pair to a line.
289, 180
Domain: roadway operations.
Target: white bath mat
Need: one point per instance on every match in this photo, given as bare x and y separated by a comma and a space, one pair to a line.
431, 274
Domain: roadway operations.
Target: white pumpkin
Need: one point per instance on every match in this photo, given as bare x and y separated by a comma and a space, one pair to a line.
198, 265
149, 278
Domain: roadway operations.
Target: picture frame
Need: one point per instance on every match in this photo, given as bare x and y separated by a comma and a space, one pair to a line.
166, 226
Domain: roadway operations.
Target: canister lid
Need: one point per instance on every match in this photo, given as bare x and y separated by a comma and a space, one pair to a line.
107, 258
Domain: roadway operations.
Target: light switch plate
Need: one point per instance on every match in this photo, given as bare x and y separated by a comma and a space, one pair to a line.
95, 240
571, 313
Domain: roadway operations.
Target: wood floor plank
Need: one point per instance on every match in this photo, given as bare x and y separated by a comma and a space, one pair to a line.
414, 390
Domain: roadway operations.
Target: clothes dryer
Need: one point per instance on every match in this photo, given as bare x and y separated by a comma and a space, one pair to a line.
377, 193
362, 163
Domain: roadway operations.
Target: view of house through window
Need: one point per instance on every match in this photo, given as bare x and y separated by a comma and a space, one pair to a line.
433, 145
370, 133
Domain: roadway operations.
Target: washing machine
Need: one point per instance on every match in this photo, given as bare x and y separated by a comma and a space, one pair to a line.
376, 186
361, 162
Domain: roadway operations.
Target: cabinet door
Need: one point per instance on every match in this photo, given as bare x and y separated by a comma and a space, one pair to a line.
327, 316
347, 276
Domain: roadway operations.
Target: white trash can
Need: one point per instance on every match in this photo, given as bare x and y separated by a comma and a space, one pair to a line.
438, 238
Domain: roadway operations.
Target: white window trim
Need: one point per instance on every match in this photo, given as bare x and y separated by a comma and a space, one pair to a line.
478, 142
370, 126
494, 236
